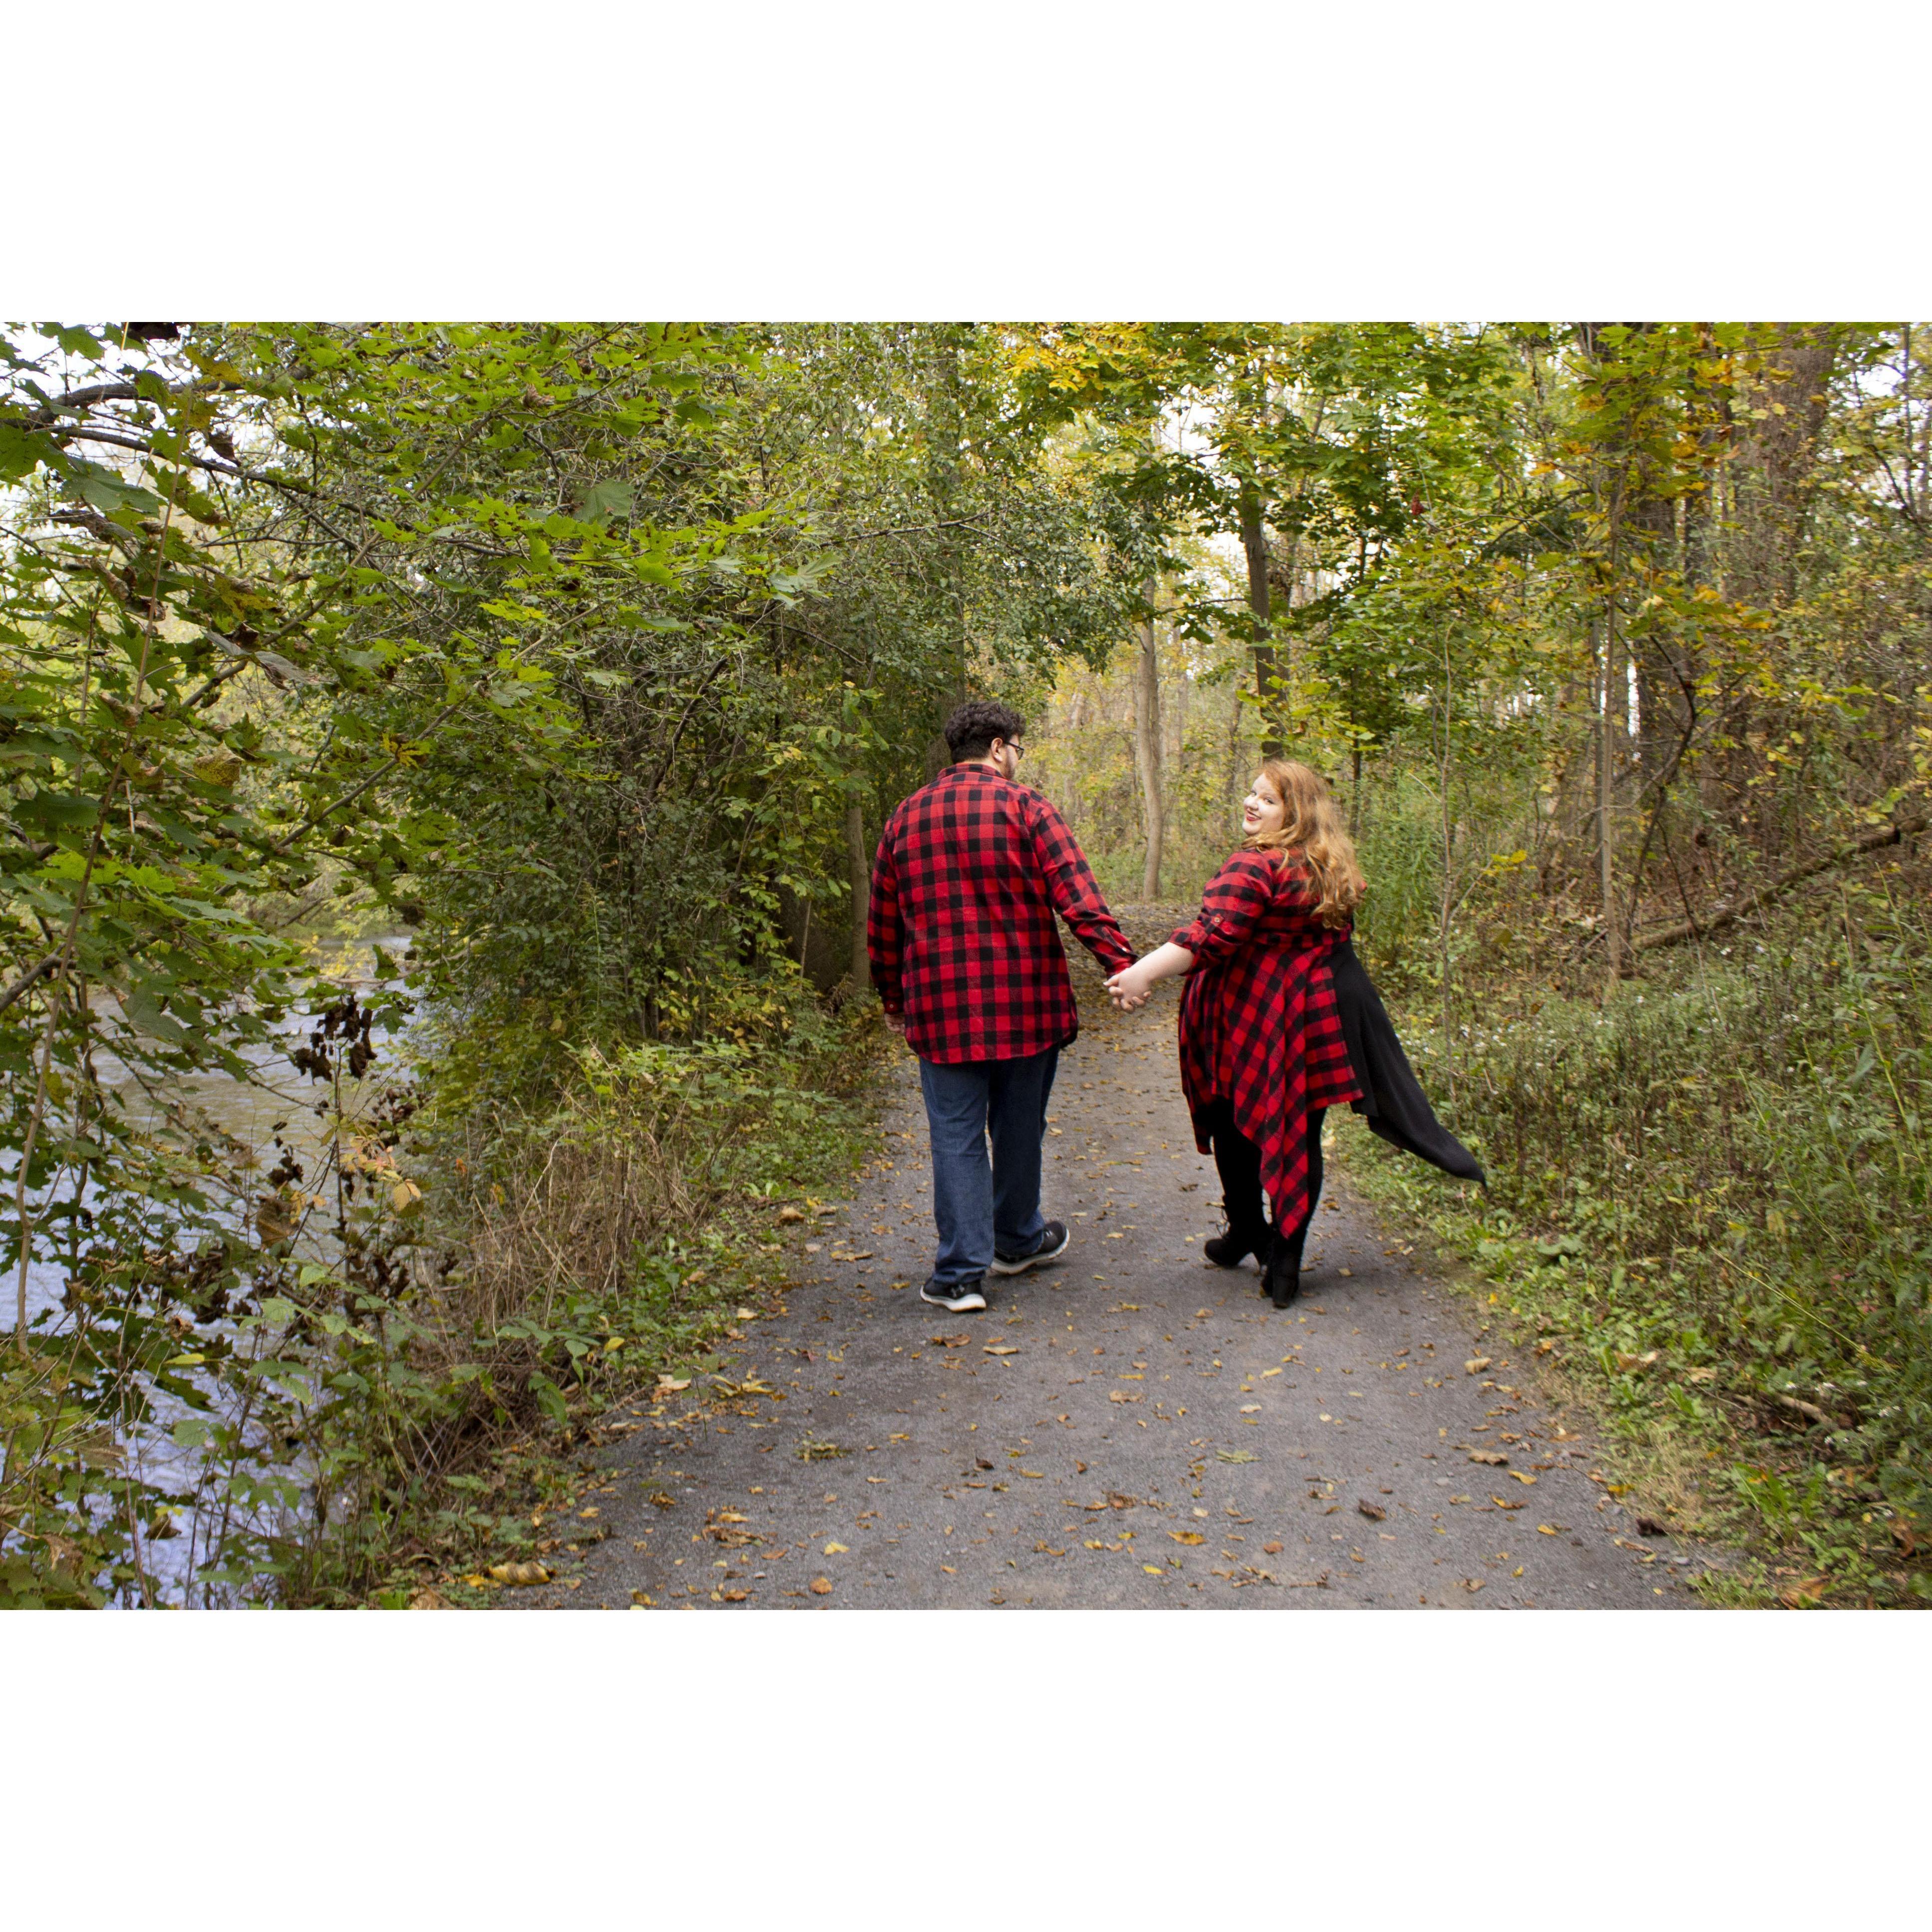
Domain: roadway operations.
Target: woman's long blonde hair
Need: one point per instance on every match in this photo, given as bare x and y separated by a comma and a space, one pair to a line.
1312, 830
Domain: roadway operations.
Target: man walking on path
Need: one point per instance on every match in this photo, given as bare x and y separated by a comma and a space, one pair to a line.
970, 871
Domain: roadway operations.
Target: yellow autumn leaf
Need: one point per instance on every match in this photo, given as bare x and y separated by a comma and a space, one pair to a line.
1189, 1536
518, 1574
836, 1549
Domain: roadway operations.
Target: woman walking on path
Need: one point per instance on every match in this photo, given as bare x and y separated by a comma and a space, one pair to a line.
1262, 1051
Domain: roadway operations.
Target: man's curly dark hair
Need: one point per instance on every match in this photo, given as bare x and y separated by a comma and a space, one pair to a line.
971, 729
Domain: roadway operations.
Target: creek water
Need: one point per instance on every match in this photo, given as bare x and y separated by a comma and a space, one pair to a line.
274, 1102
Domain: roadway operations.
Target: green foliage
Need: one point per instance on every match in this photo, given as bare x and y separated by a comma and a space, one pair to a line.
571, 649
1723, 1197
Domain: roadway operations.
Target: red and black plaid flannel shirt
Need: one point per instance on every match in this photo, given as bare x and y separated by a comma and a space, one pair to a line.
1259, 1026
971, 870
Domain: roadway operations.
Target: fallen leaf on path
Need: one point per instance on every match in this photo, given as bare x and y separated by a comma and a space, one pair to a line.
662, 1500
1001, 1348
980, 1462
1038, 1475
1521, 1476
836, 1549
820, 1586
1349, 1272
1233, 1455
1475, 1365
1043, 1549
1373, 1511
1270, 1549
1472, 1583
788, 1214
1501, 1503
671, 1384
1550, 1529
733, 1596
949, 1569
518, 1575
1154, 1569
1189, 1536
1494, 1456
642, 1601
949, 1341
427, 1599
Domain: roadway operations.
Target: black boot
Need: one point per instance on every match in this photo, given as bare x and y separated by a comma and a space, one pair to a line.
1231, 1249
1281, 1273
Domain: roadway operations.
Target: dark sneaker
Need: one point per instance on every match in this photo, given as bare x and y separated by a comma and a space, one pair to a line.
961, 1297
1051, 1245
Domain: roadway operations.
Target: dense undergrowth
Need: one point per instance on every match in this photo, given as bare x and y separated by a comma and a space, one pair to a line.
1709, 1192
578, 1252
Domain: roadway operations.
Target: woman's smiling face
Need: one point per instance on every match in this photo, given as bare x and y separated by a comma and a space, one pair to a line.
1262, 810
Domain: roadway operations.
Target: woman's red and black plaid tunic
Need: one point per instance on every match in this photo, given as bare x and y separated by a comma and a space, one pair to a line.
1258, 1023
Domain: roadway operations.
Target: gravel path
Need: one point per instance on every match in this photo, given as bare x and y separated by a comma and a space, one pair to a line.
1129, 1427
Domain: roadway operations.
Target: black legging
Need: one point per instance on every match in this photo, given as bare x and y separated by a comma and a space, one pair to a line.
1239, 1161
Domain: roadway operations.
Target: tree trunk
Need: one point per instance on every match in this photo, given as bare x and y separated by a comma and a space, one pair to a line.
1612, 748
1234, 752
1268, 667
1147, 749
861, 864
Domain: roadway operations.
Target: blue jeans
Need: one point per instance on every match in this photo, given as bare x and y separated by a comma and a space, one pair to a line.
978, 1205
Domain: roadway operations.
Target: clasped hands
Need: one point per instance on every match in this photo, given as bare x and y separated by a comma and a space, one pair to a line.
1131, 987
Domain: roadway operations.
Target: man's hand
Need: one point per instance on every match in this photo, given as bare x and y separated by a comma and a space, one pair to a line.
897, 1022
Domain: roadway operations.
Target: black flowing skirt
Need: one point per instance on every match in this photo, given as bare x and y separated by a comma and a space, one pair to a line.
1393, 1103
